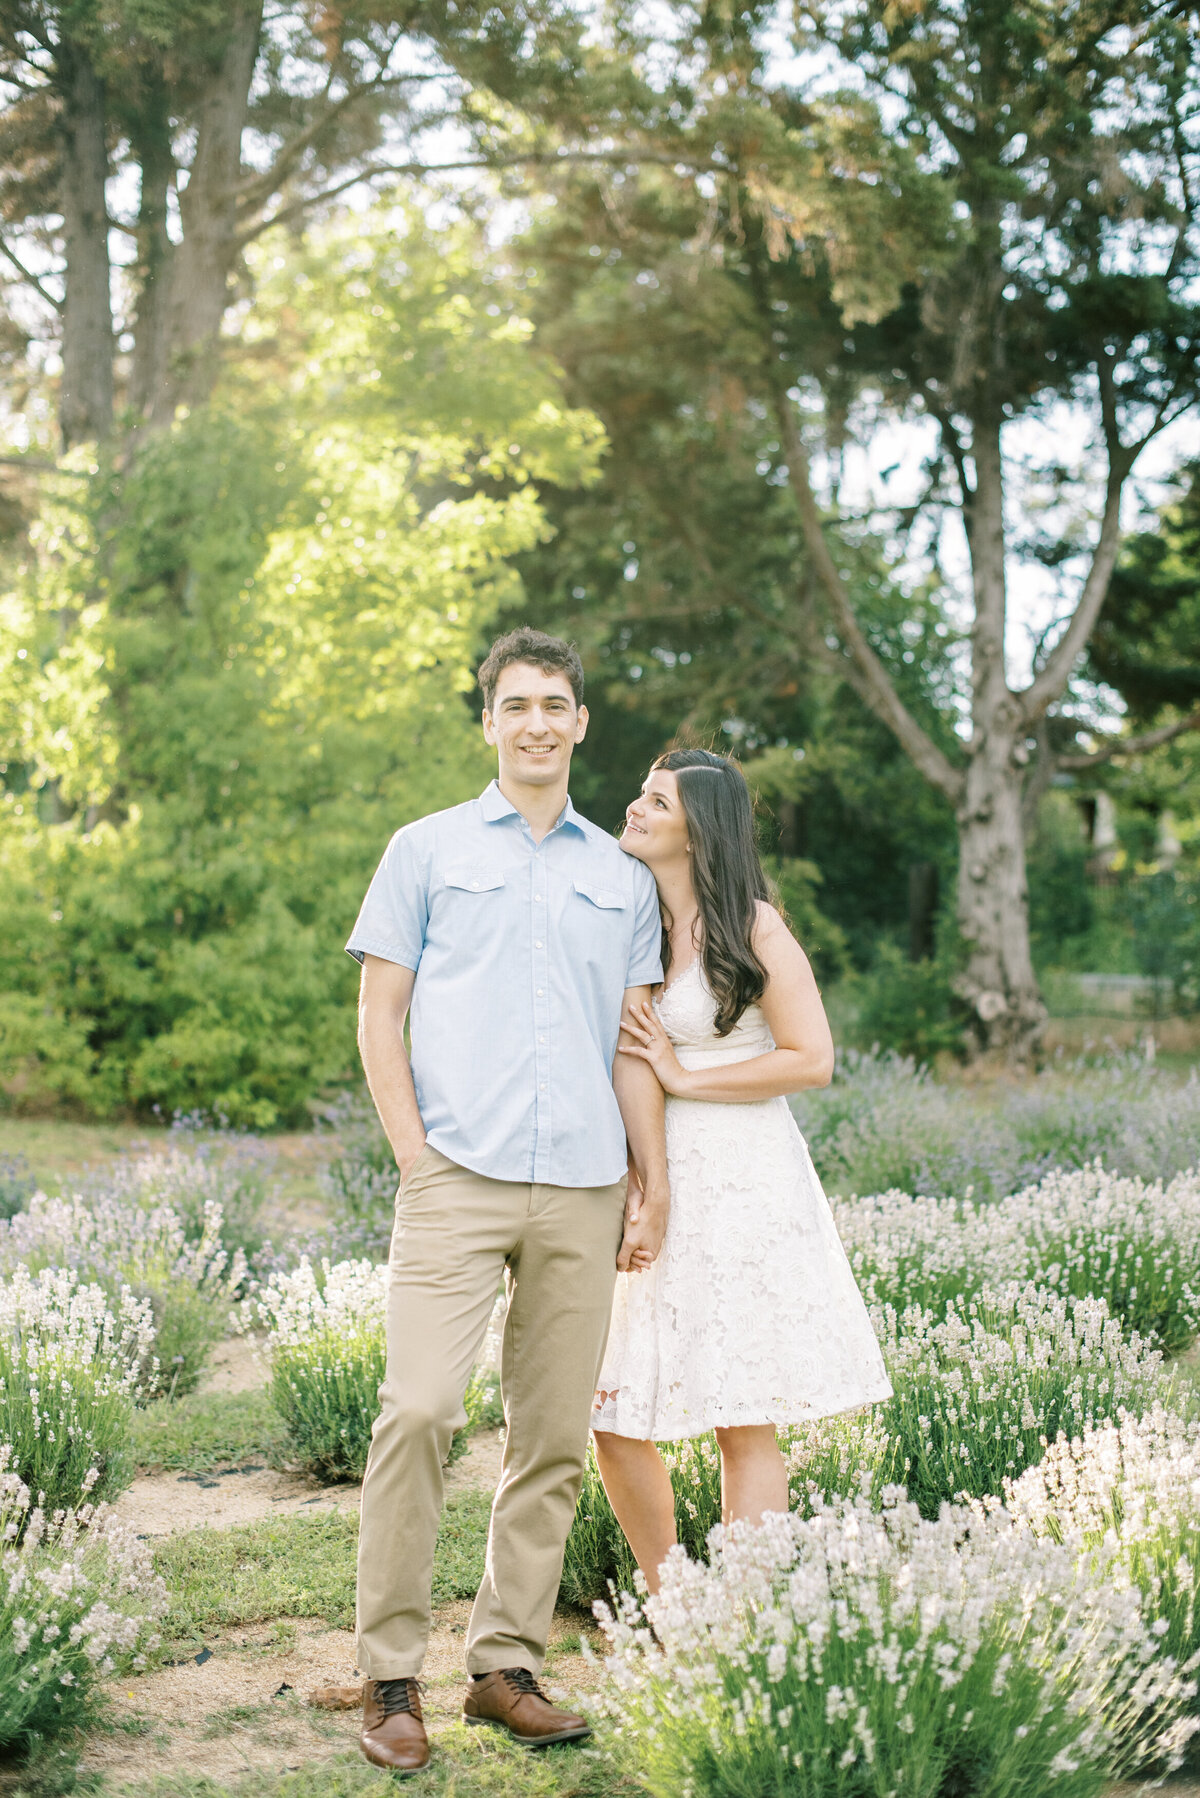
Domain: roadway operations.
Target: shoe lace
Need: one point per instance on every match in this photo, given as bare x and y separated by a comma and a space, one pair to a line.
522, 1680
400, 1695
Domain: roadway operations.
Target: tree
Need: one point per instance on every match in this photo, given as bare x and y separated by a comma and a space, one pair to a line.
231, 668
988, 235
226, 120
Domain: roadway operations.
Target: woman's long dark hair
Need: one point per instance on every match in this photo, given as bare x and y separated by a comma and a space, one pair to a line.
727, 876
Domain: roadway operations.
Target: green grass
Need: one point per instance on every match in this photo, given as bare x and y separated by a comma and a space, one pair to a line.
466, 1764
206, 1431
296, 1566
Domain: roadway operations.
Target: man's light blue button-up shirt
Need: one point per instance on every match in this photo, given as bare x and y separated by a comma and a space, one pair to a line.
522, 952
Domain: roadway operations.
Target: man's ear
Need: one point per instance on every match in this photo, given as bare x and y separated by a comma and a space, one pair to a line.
489, 729
581, 724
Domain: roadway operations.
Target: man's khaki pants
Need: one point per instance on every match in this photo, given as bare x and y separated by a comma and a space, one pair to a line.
455, 1234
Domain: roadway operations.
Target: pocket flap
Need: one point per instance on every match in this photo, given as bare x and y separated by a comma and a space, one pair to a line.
608, 897
474, 879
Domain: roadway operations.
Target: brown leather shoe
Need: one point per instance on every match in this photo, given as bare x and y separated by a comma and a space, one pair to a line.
393, 1731
513, 1700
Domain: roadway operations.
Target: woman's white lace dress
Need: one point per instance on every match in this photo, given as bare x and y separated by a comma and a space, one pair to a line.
750, 1315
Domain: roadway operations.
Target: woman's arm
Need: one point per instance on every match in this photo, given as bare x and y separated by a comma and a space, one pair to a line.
803, 1053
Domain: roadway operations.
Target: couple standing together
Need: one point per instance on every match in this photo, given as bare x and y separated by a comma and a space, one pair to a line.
602, 1037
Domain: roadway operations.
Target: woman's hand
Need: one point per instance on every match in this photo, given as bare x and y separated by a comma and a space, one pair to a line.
650, 1041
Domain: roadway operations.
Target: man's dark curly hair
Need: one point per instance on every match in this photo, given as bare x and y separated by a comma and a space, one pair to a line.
550, 654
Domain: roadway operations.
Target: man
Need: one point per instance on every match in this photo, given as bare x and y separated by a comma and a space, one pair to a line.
514, 930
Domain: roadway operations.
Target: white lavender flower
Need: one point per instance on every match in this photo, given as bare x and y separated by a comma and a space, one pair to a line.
78, 1599
885, 1641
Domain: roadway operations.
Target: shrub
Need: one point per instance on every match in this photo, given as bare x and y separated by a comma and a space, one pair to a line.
77, 1595
68, 1368
360, 1181
859, 1651
909, 1006
200, 1165
1081, 1233
886, 1123
121, 1246
326, 1340
824, 1459
979, 1392
16, 1184
1135, 1484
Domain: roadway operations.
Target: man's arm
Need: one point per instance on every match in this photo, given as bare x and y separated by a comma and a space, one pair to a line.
384, 996
641, 1100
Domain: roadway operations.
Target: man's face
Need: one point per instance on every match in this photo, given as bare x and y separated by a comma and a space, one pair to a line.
534, 724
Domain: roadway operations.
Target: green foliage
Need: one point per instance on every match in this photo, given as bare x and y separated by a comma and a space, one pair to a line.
205, 1432
906, 1006
297, 1566
1163, 913
326, 1392
235, 664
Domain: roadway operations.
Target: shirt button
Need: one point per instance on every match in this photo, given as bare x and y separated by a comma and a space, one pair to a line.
542, 1087
539, 992
541, 1039
475, 885
538, 897
538, 944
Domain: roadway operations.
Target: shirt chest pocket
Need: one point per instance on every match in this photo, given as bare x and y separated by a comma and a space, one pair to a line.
473, 879
471, 915
597, 922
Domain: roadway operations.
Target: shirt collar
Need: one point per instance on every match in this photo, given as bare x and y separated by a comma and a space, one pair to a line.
493, 806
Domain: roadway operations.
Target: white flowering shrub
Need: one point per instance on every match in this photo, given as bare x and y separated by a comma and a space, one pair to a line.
877, 1652
119, 1244
1133, 1488
202, 1163
825, 1459
78, 1596
69, 1365
326, 1341
979, 1392
1083, 1232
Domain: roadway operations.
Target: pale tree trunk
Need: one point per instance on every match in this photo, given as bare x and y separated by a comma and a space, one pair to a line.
86, 405
998, 982
202, 263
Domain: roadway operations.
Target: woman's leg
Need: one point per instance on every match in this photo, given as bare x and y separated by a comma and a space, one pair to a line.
639, 1491
753, 1474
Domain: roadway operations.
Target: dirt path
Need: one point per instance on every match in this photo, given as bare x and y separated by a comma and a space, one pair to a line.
162, 1504
246, 1708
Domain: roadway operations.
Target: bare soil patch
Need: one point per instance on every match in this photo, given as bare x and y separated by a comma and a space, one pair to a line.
162, 1504
246, 1706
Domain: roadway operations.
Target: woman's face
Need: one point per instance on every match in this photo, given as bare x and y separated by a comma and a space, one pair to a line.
656, 830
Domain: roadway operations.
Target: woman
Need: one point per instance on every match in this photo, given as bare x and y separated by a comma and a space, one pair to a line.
750, 1317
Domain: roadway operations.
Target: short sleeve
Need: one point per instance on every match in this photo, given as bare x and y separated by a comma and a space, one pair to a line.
391, 923
645, 954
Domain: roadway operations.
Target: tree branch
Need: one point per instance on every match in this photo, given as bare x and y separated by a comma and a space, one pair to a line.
531, 158
1151, 739
28, 276
1047, 686
259, 187
870, 678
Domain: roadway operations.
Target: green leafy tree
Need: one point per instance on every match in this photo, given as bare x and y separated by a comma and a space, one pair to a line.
224, 118
989, 235
234, 666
